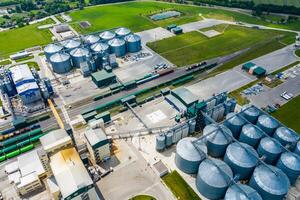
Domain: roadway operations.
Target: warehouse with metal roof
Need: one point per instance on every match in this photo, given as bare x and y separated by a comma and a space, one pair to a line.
103, 78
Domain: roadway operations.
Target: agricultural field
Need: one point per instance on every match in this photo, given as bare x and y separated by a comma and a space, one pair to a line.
18, 39
135, 15
194, 47
295, 3
288, 113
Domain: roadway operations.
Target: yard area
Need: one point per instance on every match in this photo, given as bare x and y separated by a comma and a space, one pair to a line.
289, 114
18, 39
194, 47
179, 187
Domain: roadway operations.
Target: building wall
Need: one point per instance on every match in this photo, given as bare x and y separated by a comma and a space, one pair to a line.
57, 148
30, 187
102, 152
31, 96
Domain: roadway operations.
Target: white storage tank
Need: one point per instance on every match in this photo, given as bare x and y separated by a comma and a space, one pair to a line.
169, 138
52, 49
160, 142
117, 46
187, 157
91, 39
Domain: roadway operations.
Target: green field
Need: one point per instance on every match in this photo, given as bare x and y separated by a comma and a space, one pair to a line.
194, 47
18, 39
289, 114
143, 197
295, 3
297, 52
179, 187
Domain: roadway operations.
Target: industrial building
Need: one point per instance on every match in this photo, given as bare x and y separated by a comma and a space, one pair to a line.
71, 177
55, 141
103, 78
97, 144
181, 98
28, 172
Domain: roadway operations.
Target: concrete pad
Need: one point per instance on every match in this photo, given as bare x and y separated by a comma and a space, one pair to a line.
211, 33
194, 26
154, 34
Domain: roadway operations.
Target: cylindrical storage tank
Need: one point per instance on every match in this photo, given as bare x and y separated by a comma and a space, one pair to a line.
160, 142
122, 32
227, 106
100, 48
289, 163
91, 39
270, 149
52, 49
169, 138
241, 158
270, 182
79, 55
250, 113
187, 157
117, 46
107, 35
235, 123
133, 43
251, 135
286, 136
61, 63
241, 192
297, 148
218, 141
267, 124
213, 178
69, 45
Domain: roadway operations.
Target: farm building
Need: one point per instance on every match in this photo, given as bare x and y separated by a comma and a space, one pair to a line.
103, 78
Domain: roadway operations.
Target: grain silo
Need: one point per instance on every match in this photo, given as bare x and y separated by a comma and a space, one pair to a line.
52, 49
61, 63
286, 136
99, 50
79, 55
71, 44
251, 135
270, 149
289, 163
169, 138
251, 113
270, 182
117, 46
213, 178
242, 159
297, 148
122, 32
235, 123
107, 35
187, 157
267, 124
227, 106
218, 141
240, 191
133, 43
91, 39
160, 142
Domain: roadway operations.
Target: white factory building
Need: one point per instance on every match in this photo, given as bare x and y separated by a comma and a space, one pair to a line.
29, 171
25, 84
97, 144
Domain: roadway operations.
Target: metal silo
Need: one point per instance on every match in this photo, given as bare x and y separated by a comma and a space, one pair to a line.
133, 43
61, 63
79, 55
122, 32
213, 178
187, 157
241, 158
160, 142
286, 136
251, 113
297, 148
169, 138
117, 46
251, 135
241, 192
52, 49
100, 48
91, 39
107, 35
69, 45
289, 163
270, 182
270, 149
267, 124
218, 141
235, 123
227, 106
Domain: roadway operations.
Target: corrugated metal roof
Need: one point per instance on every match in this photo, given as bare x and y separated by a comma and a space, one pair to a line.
21, 73
291, 160
54, 138
101, 75
187, 150
122, 31
133, 38
252, 131
241, 192
95, 136
107, 35
53, 48
79, 52
59, 57
116, 42
91, 39
185, 95
30, 162
70, 44
99, 47
270, 145
286, 134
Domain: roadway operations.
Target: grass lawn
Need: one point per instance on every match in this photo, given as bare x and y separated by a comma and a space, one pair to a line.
194, 47
297, 52
5, 62
143, 197
25, 58
33, 65
19, 39
289, 114
179, 187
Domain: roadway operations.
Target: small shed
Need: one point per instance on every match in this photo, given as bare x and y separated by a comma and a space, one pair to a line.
103, 78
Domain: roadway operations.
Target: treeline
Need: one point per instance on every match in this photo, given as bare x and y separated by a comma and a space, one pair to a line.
7, 3
258, 9
96, 2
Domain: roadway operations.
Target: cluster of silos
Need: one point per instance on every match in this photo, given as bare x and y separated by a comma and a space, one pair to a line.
217, 107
